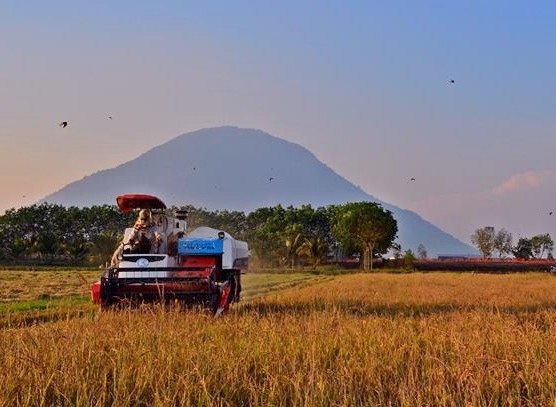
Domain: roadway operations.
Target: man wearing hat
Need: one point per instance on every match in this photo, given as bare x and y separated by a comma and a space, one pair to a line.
144, 238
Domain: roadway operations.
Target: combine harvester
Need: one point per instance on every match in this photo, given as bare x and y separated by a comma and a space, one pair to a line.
202, 267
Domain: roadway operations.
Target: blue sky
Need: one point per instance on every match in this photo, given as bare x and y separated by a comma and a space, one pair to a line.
362, 84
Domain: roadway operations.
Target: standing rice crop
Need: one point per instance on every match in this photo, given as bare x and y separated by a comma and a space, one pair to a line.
366, 339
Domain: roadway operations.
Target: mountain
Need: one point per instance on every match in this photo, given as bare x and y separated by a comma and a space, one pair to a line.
241, 169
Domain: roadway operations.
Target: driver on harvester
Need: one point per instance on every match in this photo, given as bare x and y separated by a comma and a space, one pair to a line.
144, 238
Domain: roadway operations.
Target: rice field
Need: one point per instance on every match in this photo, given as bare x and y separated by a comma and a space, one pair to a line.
438, 339
30, 297
37, 285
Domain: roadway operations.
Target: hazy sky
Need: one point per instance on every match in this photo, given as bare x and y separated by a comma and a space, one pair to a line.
364, 85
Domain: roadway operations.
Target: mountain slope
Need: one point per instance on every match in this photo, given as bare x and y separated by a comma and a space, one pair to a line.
240, 169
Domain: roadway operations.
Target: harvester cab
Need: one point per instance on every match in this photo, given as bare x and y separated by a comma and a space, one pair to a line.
202, 266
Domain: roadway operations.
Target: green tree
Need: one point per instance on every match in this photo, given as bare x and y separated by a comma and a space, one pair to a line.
396, 250
47, 246
265, 226
541, 244
77, 250
523, 249
367, 225
317, 236
100, 219
502, 242
104, 244
293, 239
49, 232
315, 248
421, 251
15, 249
408, 259
276, 234
233, 222
484, 240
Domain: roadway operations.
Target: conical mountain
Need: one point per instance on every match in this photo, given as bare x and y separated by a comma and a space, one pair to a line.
241, 169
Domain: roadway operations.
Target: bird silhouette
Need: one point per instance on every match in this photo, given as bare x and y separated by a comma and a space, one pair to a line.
110, 117
452, 81
550, 213
270, 179
63, 124
412, 179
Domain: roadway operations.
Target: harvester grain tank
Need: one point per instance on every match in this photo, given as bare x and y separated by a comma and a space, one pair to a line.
202, 266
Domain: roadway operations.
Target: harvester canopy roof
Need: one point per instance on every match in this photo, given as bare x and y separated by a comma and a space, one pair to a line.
129, 202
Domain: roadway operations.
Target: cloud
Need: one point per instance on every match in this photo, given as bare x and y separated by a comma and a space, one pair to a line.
458, 202
523, 181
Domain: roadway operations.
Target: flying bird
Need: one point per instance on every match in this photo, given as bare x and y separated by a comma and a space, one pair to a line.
110, 117
270, 179
63, 124
550, 213
412, 179
452, 81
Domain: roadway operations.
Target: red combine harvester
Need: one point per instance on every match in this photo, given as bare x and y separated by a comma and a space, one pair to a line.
203, 266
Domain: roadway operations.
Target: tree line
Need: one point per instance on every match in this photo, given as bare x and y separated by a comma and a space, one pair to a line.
491, 242
277, 236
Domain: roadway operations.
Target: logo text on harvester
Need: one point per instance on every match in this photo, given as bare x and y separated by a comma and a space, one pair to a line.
200, 246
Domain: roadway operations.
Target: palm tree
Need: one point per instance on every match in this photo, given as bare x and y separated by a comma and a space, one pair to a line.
316, 249
47, 246
104, 244
293, 239
77, 249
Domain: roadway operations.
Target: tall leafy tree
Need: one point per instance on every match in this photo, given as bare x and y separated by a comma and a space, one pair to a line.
77, 249
105, 218
15, 249
315, 248
483, 239
47, 246
37, 227
541, 244
233, 222
367, 225
502, 242
276, 234
408, 259
103, 245
265, 226
396, 250
303, 225
47, 231
421, 251
523, 249
293, 239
